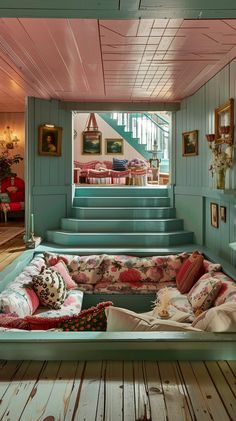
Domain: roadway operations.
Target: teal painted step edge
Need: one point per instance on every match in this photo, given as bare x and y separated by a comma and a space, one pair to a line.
122, 239
143, 225
126, 135
123, 191
123, 213
121, 201
93, 346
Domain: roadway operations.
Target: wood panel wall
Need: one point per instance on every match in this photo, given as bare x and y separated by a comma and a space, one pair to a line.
49, 195
195, 189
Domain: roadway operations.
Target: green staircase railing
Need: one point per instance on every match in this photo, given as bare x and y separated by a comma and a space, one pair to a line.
140, 130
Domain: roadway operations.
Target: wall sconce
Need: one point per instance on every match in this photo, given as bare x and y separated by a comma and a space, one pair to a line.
9, 140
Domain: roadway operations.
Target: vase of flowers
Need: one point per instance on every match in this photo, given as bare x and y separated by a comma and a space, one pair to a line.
6, 162
221, 161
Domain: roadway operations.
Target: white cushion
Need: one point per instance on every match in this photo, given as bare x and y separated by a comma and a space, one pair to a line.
218, 319
123, 320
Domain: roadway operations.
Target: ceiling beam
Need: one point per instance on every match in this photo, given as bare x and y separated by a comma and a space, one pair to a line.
121, 106
119, 9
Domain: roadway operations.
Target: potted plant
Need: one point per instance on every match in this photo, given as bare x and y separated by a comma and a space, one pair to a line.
6, 162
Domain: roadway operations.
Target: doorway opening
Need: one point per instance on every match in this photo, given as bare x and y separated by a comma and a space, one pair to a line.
122, 148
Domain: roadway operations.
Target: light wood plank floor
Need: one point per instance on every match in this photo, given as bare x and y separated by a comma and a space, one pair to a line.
13, 248
116, 390
112, 391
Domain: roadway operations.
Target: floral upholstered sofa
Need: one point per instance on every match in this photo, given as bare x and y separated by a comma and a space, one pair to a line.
185, 292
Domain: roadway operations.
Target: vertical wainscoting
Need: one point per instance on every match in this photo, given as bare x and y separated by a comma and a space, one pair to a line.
49, 178
195, 189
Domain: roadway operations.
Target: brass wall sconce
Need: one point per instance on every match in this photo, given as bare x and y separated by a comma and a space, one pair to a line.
9, 140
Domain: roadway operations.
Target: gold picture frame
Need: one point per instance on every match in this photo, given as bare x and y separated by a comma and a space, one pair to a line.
114, 147
49, 140
214, 214
190, 143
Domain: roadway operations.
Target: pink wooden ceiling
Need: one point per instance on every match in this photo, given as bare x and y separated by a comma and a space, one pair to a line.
110, 60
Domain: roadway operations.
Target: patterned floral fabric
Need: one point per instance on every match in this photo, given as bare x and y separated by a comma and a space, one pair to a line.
72, 305
134, 269
17, 298
50, 288
203, 293
61, 268
82, 269
130, 287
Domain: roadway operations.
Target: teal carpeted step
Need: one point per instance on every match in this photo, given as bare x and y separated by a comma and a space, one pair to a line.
122, 212
104, 239
116, 225
104, 201
124, 191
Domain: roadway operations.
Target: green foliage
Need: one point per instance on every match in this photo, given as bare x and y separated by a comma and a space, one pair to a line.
6, 162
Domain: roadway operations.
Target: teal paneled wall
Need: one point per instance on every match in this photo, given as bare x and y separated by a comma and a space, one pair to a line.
49, 178
195, 188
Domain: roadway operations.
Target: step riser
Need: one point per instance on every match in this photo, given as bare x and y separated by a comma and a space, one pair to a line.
124, 202
80, 240
123, 213
121, 192
124, 226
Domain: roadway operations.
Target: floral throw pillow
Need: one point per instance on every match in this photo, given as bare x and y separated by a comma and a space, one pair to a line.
203, 293
50, 288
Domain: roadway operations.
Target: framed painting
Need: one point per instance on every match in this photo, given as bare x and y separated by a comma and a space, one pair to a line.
190, 143
49, 140
114, 147
214, 215
91, 142
223, 213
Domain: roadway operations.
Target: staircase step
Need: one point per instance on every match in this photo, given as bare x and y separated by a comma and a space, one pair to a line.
108, 201
122, 212
127, 225
112, 239
124, 191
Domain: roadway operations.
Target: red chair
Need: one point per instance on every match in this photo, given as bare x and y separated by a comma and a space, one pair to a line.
15, 188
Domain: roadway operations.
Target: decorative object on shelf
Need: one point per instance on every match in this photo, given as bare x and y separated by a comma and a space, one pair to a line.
49, 141
6, 162
114, 147
9, 139
223, 213
92, 138
221, 160
33, 241
224, 123
214, 215
190, 143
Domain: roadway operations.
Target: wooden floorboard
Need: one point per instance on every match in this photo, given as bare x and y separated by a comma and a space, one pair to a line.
117, 390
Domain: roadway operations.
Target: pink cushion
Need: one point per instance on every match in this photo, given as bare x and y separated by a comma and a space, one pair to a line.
190, 272
62, 269
228, 289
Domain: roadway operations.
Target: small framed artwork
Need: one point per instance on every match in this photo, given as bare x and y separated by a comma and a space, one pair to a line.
92, 142
49, 140
214, 215
190, 143
223, 213
114, 147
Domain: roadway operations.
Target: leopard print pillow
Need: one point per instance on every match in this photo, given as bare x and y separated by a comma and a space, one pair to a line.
50, 288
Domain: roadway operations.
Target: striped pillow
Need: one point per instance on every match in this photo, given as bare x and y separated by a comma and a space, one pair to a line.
190, 272
119, 164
